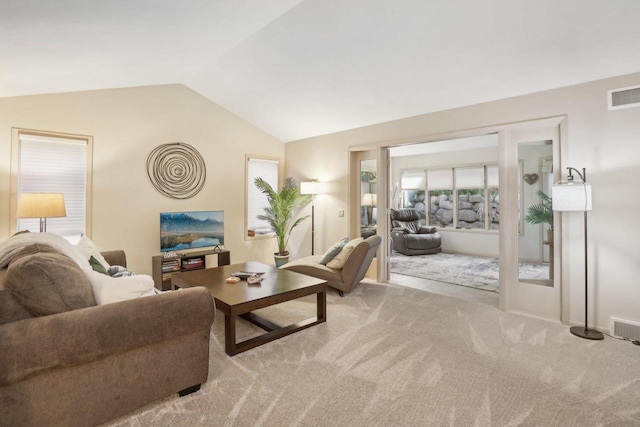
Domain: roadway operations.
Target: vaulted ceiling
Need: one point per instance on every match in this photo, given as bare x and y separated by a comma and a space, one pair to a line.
302, 68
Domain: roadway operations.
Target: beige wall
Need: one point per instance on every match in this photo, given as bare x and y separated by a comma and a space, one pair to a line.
605, 142
126, 125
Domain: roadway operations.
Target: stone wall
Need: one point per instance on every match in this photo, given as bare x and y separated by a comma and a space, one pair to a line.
471, 213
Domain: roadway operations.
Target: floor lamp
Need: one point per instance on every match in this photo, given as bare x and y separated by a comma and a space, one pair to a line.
41, 205
369, 200
570, 196
312, 187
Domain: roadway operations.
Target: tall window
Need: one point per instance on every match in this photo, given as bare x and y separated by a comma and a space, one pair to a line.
469, 185
412, 185
267, 169
440, 196
493, 199
53, 163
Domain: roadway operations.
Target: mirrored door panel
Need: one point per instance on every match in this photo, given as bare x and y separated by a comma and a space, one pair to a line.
535, 240
368, 197
529, 262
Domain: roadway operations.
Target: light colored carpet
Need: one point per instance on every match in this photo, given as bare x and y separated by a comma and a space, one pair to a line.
463, 270
396, 356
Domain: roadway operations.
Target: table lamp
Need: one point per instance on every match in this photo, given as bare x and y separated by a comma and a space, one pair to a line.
41, 205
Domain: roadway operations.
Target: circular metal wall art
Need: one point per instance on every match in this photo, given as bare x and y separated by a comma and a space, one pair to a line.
177, 170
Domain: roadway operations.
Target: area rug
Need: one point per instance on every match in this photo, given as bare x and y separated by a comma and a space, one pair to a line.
463, 270
396, 356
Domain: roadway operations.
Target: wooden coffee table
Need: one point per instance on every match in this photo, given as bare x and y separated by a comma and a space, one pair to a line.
240, 299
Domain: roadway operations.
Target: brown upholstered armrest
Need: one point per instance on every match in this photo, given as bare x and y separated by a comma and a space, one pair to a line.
30, 346
115, 257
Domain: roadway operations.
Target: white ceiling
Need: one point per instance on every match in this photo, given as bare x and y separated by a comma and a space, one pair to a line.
302, 68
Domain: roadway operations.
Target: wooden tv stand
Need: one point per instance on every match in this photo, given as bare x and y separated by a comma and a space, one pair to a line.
162, 268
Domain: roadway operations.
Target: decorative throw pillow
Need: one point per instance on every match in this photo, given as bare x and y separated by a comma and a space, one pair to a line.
340, 260
110, 289
95, 264
333, 251
49, 283
119, 271
15, 244
89, 249
34, 248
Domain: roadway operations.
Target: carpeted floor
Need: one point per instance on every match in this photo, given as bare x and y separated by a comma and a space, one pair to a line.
396, 356
464, 270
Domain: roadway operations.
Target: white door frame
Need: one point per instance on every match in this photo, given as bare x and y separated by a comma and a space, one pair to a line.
381, 155
547, 302
508, 174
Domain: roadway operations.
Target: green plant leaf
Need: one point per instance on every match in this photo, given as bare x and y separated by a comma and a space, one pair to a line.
540, 213
281, 210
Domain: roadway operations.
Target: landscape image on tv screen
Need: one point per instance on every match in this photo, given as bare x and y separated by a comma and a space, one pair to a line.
191, 230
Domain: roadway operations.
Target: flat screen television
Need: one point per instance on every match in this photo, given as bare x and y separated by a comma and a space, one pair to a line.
190, 230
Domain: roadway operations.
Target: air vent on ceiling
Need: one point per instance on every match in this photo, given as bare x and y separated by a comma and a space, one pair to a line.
624, 97
624, 329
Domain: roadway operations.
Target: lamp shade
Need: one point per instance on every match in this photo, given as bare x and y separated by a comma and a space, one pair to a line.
369, 199
569, 196
41, 205
312, 187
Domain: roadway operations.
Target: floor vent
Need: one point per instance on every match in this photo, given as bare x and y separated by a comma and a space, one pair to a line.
625, 329
625, 97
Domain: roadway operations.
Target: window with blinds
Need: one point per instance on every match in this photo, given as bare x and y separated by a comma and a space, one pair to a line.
412, 180
266, 169
53, 164
464, 197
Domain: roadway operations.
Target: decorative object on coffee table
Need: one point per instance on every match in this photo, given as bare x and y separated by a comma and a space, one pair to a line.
176, 170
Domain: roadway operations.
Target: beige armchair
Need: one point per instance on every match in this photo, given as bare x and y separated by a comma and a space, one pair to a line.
345, 278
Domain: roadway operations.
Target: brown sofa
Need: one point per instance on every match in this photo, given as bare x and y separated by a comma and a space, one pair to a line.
86, 366
343, 279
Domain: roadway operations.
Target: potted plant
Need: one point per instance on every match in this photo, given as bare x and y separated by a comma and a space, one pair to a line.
541, 213
280, 212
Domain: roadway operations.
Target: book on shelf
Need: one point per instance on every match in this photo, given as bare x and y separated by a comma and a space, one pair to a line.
192, 263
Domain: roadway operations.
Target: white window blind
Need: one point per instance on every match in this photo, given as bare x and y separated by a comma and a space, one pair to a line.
55, 165
492, 176
440, 179
256, 201
412, 180
470, 177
